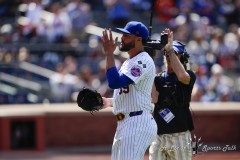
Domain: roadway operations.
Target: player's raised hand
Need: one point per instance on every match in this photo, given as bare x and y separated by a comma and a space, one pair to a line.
109, 45
170, 39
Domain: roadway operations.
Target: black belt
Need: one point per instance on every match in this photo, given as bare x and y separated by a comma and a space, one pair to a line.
121, 116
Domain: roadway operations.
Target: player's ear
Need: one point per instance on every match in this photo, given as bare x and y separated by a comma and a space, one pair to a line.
139, 39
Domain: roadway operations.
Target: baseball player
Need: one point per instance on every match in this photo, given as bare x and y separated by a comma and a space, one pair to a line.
172, 95
132, 84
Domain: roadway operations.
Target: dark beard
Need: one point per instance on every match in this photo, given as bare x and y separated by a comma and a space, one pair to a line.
127, 46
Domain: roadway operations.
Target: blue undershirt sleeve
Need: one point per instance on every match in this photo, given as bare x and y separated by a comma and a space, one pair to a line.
116, 80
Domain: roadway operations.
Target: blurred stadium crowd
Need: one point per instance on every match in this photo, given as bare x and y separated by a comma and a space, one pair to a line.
47, 55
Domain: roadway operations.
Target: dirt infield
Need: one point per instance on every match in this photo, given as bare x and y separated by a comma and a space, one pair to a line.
30, 155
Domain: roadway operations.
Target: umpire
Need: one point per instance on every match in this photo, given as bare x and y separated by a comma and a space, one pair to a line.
171, 95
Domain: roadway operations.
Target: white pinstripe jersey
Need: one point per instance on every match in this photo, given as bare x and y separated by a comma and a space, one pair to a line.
137, 96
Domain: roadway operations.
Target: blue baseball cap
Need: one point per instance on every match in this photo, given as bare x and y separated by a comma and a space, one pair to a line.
135, 28
178, 47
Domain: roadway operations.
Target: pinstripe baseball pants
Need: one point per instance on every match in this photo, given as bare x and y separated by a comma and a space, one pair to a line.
176, 146
133, 137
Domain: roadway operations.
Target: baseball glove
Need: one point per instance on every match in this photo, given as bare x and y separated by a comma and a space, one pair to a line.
89, 100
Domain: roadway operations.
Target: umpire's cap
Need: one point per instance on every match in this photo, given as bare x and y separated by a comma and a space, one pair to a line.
179, 47
135, 28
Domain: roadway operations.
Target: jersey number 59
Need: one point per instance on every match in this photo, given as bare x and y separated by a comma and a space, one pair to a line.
124, 90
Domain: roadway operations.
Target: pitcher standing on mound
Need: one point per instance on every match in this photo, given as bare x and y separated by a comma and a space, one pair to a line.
132, 84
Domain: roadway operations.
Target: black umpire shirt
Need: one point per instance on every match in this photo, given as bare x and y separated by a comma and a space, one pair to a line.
175, 96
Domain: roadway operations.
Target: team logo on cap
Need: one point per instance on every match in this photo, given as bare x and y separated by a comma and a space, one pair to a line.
136, 71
